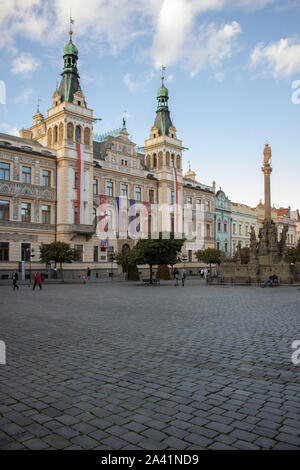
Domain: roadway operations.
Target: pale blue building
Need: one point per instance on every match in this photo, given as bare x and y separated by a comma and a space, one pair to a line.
223, 223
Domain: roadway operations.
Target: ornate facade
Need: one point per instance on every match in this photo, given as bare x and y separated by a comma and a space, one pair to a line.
57, 182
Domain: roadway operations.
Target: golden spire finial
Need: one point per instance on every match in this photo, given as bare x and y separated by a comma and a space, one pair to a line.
162, 74
71, 22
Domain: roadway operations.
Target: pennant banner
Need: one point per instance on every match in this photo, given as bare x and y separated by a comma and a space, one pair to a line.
78, 216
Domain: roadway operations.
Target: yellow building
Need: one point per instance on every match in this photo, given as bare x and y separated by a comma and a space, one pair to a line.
243, 218
101, 193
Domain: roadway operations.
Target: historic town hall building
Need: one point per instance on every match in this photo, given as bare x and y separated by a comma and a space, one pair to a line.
58, 182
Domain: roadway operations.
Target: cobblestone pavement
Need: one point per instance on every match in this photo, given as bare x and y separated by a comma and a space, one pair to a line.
122, 366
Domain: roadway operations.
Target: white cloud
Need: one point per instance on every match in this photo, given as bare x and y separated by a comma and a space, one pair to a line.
109, 26
177, 40
130, 83
8, 129
24, 63
280, 59
24, 96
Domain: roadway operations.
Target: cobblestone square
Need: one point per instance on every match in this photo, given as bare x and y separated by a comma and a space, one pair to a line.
122, 366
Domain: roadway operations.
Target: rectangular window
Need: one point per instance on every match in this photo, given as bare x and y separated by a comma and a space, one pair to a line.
219, 226
95, 186
26, 174
190, 255
96, 254
138, 194
79, 248
138, 222
247, 230
75, 214
45, 214
26, 212
4, 210
208, 230
189, 201
172, 197
207, 206
4, 171
151, 196
124, 190
226, 247
25, 251
75, 180
198, 203
4, 251
109, 188
225, 228
234, 229
218, 245
240, 229
46, 177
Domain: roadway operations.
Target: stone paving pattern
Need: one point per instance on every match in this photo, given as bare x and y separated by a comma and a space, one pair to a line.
123, 366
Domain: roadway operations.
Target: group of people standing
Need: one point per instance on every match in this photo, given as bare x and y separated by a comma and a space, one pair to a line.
179, 275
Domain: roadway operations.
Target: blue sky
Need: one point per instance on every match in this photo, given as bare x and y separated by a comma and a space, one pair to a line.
230, 69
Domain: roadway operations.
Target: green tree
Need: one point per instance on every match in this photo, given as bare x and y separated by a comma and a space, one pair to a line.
209, 256
59, 252
292, 255
155, 251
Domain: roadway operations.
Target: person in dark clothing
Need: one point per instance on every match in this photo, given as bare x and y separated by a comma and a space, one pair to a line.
176, 276
37, 280
15, 279
88, 274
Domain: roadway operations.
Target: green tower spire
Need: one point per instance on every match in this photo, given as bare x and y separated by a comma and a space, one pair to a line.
163, 121
70, 78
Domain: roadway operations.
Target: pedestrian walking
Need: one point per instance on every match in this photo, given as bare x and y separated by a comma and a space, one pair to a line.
88, 274
37, 280
176, 276
202, 273
15, 279
55, 272
183, 276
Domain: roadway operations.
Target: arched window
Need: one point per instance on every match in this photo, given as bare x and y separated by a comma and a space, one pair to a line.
70, 131
87, 136
167, 159
154, 161
173, 163
49, 139
148, 161
55, 134
78, 134
160, 159
178, 162
61, 132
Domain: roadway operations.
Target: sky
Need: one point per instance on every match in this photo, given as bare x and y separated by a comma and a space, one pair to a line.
232, 71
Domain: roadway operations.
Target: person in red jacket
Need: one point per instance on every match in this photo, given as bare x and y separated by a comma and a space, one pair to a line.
37, 280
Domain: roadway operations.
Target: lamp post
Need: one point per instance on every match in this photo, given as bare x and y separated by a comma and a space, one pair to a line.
30, 254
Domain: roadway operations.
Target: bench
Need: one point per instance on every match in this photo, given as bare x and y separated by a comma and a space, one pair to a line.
155, 282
